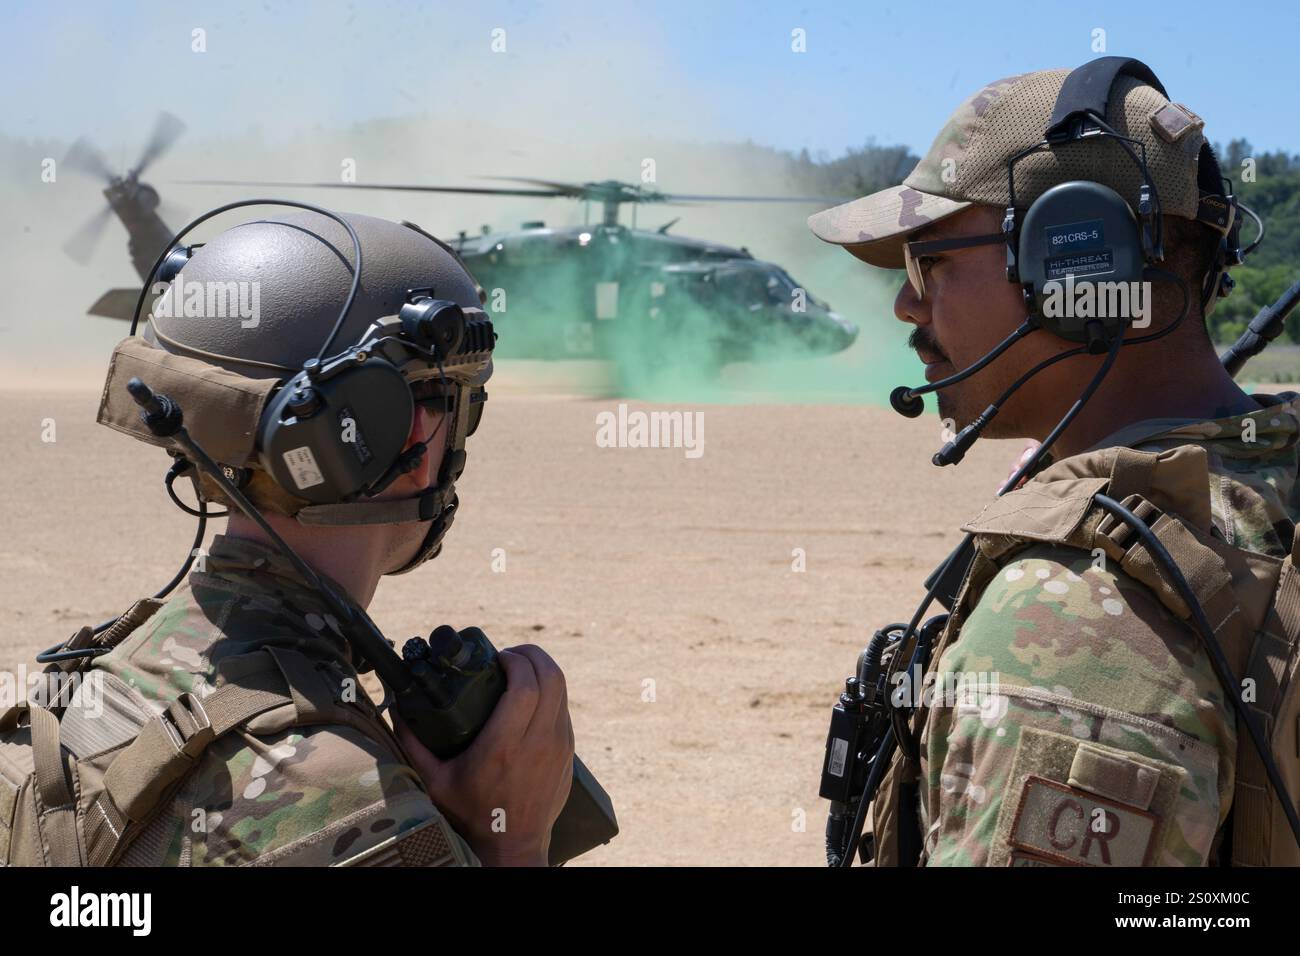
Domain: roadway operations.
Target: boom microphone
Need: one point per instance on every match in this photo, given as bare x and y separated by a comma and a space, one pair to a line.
907, 401
955, 450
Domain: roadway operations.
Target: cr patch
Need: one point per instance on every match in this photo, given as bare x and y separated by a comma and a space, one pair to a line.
1074, 826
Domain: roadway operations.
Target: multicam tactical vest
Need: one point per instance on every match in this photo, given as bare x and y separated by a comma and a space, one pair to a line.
1253, 601
79, 786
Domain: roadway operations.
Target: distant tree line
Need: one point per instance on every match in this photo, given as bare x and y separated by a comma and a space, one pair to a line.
1267, 182
1274, 194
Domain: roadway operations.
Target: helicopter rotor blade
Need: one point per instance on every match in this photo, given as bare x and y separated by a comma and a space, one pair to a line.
82, 243
830, 200
564, 189
84, 157
599, 191
166, 130
397, 187
593, 192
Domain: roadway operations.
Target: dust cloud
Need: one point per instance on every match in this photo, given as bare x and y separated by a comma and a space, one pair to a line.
560, 124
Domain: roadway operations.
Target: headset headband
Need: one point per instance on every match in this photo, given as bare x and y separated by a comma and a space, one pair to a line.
1086, 92
190, 226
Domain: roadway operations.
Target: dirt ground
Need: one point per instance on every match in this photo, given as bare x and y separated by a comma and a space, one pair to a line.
701, 665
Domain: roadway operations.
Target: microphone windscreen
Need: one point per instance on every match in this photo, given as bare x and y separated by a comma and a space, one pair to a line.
905, 403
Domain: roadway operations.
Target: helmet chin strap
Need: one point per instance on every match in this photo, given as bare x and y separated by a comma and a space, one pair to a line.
431, 547
437, 504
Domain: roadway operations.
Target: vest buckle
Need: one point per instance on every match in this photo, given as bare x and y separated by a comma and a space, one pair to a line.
1117, 534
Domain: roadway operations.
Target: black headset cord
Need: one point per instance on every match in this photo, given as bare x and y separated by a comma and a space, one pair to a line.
955, 450
57, 653
886, 749
1205, 631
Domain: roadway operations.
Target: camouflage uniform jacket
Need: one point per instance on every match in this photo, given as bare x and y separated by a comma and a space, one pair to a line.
1105, 706
269, 793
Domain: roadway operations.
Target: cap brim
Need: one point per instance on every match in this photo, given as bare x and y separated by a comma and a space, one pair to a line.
875, 227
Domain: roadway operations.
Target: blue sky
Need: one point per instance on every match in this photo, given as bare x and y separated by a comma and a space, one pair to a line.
583, 89
723, 70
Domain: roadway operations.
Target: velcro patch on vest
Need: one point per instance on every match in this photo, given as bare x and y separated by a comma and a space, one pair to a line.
1173, 121
1072, 826
430, 843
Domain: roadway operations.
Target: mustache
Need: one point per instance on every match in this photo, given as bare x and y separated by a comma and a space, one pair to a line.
922, 338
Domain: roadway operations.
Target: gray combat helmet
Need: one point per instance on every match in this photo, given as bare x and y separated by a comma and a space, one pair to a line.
261, 299
296, 267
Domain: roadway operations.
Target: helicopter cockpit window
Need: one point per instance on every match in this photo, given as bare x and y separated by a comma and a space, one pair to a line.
531, 250
746, 287
783, 287
780, 287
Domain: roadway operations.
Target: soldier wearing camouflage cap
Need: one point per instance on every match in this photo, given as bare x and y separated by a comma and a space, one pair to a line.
303, 769
1106, 707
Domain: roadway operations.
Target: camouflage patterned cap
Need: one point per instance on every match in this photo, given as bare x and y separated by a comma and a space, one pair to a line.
967, 163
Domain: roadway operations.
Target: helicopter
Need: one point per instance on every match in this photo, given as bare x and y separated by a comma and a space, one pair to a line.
135, 203
606, 290
553, 293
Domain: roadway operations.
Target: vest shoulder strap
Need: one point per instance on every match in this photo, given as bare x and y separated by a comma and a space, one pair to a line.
1168, 490
166, 749
169, 746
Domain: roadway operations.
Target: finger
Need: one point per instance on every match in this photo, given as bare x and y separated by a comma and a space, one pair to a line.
563, 726
553, 694
562, 735
565, 785
564, 723
1025, 455
515, 710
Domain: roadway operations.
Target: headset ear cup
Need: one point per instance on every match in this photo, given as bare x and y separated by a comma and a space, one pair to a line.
1077, 235
329, 439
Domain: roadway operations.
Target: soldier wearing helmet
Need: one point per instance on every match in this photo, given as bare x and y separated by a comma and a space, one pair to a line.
322, 780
